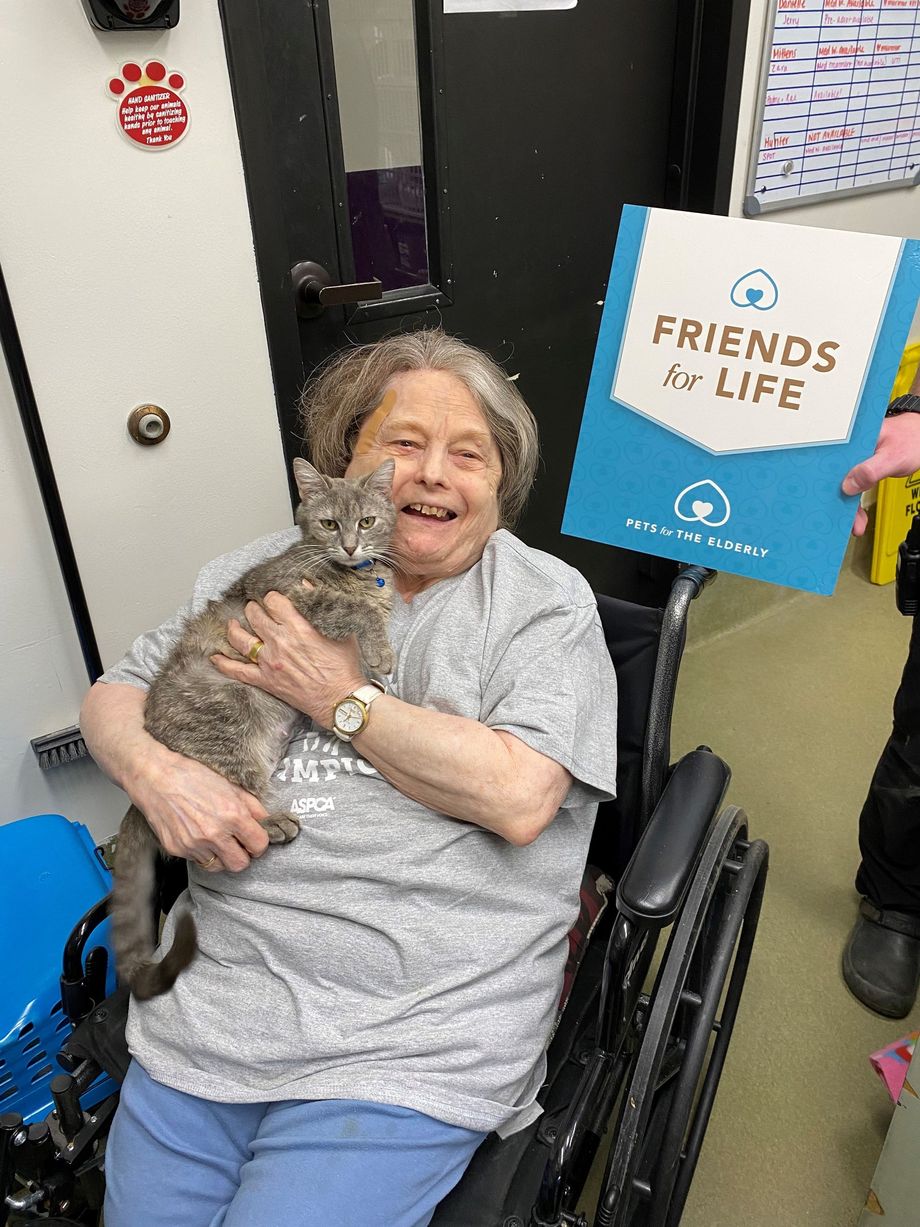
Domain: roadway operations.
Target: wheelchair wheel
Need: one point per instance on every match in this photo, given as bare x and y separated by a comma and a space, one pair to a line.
666, 1105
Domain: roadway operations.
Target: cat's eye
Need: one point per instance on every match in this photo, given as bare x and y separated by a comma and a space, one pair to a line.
330, 524
367, 521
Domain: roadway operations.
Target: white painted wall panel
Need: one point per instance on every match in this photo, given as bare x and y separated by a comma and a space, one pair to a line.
133, 279
42, 675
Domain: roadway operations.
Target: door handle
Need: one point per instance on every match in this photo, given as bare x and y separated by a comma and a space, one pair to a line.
314, 291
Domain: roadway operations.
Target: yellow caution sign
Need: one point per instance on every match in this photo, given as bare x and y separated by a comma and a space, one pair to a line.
898, 497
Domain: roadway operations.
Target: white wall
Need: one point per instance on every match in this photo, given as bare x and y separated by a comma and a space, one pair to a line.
41, 666
132, 278
894, 212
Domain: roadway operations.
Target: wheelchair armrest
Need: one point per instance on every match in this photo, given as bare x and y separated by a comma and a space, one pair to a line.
652, 887
82, 988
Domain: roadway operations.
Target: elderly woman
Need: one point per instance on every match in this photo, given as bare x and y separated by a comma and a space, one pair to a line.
372, 1000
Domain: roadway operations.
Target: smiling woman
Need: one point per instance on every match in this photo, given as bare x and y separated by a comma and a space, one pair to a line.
448, 472
409, 946
353, 399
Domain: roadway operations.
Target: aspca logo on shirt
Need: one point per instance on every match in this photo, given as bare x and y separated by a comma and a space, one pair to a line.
313, 805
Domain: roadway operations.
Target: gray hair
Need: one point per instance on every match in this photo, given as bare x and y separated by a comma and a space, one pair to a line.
351, 384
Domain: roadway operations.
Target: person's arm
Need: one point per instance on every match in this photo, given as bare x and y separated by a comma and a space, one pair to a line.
452, 764
194, 812
464, 769
897, 454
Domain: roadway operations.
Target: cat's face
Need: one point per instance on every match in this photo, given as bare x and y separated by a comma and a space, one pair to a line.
349, 520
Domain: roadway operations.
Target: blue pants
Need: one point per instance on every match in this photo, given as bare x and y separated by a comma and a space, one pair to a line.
174, 1160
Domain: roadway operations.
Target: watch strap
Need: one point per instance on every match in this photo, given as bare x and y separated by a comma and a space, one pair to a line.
373, 690
909, 403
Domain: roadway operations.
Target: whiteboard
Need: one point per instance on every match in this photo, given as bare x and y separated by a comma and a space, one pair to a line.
839, 95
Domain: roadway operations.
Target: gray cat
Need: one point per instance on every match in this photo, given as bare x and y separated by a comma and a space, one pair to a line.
239, 730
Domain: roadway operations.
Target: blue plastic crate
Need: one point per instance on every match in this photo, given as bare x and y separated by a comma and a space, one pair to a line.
51, 875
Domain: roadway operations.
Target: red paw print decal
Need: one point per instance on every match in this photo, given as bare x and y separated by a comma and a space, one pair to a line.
150, 111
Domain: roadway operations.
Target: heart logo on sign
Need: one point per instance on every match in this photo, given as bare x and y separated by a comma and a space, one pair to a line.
756, 289
703, 510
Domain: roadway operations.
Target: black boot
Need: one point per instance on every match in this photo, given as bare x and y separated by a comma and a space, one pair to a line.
881, 961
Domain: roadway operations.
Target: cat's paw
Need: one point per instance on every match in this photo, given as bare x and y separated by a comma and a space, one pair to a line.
383, 661
280, 828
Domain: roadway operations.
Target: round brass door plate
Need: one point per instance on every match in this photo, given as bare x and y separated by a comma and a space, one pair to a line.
148, 424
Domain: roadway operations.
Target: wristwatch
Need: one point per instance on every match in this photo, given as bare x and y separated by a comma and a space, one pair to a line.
910, 403
350, 716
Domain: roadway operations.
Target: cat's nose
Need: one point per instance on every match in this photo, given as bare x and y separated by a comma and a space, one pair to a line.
349, 550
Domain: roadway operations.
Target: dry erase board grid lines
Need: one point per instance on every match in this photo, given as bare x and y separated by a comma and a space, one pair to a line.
839, 101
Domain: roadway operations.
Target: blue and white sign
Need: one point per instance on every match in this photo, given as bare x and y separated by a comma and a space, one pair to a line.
741, 370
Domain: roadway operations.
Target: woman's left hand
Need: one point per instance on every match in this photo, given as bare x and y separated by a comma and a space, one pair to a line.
296, 664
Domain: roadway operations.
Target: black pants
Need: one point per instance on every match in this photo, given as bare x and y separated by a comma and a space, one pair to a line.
889, 825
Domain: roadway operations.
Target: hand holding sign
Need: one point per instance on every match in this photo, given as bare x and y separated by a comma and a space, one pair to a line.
897, 454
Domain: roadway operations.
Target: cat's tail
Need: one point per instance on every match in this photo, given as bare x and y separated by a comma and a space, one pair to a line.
151, 979
133, 925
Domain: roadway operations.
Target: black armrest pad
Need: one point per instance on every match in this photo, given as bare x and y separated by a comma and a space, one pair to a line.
653, 885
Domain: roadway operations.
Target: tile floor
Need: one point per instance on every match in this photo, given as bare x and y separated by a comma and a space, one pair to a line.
795, 692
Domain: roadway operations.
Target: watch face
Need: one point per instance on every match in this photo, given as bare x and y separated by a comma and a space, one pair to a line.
348, 716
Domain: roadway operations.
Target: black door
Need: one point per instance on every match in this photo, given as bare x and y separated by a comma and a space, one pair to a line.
474, 165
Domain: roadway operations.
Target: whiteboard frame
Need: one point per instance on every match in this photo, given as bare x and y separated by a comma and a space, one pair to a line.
752, 206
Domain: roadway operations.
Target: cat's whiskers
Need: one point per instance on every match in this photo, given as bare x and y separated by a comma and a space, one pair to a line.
391, 556
308, 559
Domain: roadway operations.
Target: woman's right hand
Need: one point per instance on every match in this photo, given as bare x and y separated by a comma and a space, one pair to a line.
897, 454
197, 814
194, 812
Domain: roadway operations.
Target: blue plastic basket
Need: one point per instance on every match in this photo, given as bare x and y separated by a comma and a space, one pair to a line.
52, 875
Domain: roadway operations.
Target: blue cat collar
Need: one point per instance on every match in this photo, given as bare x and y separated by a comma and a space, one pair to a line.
370, 562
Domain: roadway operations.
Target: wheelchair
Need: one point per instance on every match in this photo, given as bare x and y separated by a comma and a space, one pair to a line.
645, 1020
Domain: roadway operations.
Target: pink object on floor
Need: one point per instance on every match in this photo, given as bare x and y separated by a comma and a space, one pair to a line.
891, 1063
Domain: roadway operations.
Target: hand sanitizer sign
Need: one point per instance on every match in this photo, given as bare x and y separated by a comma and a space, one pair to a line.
741, 369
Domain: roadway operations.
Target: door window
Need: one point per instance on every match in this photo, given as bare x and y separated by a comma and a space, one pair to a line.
377, 86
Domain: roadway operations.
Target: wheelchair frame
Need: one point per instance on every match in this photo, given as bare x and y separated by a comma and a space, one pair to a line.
643, 1058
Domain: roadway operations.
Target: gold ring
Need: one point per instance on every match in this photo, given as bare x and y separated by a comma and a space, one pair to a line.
207, 864
254, 651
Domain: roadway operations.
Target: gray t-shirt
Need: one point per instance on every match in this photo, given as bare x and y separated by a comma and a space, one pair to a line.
391, 953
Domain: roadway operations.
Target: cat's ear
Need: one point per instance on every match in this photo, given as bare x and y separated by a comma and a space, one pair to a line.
310, 482
381, 480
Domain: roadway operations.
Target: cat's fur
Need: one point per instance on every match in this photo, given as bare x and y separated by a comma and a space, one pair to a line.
237, 729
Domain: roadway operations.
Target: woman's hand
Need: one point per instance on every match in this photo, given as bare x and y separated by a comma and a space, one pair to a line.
193, 812
197, 814
296, 664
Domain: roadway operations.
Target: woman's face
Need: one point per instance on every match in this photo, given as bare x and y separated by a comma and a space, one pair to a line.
447, 473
